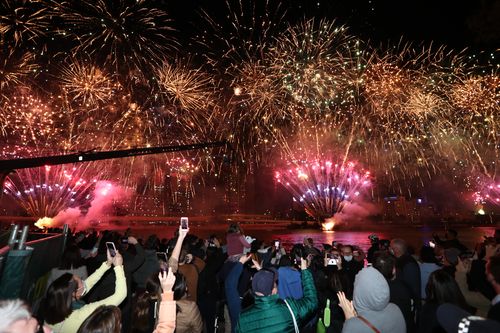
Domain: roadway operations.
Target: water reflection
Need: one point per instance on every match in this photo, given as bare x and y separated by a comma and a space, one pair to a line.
415, 237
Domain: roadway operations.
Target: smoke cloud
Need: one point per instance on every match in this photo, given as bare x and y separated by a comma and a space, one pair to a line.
79, 218
356, 212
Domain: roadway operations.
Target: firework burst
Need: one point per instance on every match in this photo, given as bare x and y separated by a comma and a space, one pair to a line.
86, 84
315, 63
323, 188
130, 36
16, 69
23, 21
48, 190
189, 89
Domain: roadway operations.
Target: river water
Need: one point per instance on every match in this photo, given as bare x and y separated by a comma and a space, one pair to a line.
414, 236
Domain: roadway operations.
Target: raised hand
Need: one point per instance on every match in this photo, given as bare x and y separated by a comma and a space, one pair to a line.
346, 306
167, 280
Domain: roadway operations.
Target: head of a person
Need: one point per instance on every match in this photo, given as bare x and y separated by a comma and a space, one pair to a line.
104, 319
285, 261
335, 281
398, 247
451, 256
60, 295
317, 263
451, 234
141, 308
427, 255
453, 319
493, 272
308, 242
180, 287
17, 318
71, 257
371, 291
346, 251
373, 239
234, 228
152, 242
442, 288
386, 265
264, 282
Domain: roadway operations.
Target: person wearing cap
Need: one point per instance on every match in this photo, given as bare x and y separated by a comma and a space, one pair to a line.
453, 319
270, 314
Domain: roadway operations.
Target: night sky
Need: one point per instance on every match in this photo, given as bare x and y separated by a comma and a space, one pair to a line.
457, 24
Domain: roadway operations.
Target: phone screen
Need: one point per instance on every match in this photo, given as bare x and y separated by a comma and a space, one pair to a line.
111, 247
184, 223
432, 244
332, 262
277, 244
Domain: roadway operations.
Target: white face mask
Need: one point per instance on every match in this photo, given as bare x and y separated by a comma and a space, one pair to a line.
347, 258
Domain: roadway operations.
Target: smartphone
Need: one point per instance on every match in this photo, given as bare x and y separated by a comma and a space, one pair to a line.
111, 247
277, 244
124, 240
184, 223
332, 262
432, 244
162, 256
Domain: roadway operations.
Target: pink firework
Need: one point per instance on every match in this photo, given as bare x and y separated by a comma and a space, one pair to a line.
323, 188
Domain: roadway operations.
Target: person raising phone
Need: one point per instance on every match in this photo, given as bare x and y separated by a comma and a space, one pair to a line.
57, 309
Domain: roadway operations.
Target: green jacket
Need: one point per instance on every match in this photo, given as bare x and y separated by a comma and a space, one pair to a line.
270, 314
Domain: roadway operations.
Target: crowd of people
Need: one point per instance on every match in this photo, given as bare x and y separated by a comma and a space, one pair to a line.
243, 284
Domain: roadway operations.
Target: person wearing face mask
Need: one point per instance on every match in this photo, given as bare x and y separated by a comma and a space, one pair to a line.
349, 267
58, 309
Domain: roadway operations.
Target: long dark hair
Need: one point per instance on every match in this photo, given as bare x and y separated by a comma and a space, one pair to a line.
234, 228
142, 307
180, 286
71, 258
105, 319
442, 288
57, 302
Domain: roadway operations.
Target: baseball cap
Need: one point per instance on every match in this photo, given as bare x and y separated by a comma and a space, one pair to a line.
263, 281
456, 320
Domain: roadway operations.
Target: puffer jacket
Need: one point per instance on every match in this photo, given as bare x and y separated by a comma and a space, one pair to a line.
269, 314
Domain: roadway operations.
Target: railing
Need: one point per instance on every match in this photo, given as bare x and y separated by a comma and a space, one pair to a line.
22, 263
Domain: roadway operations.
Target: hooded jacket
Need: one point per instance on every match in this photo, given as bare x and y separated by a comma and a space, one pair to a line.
371, 301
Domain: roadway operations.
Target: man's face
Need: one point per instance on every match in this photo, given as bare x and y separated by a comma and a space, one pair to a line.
346, 251
26, 326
